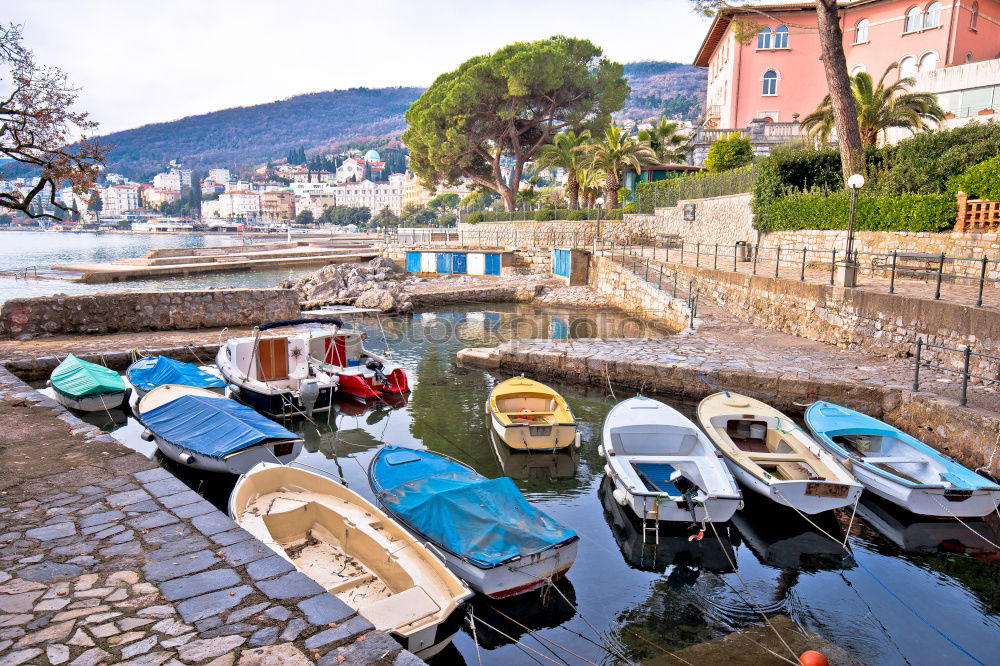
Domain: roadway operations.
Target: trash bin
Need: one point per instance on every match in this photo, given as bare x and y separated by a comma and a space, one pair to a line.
743, 249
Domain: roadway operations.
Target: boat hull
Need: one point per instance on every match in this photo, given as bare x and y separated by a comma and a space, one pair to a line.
513, 578
520, 438
237, 463
714, 509
220, 390
92, 403
928, 501
793, 493
281, 403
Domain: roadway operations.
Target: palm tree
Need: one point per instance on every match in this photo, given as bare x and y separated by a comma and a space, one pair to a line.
613, 154
590, 181
879, 108
563, 153
670, 146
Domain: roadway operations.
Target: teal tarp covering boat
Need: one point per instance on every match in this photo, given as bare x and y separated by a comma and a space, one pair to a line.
77, 378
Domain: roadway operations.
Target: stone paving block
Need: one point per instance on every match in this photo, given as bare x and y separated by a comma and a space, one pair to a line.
212, 523
122, 537
199, 508
264, 636
293, 629
152, 520
212, 603
142, 507
128, 497
181, 565
342, 632
289, 586
249, 612
285, 654
374, 649
206, 581
127, 548
101, 518
405, 658
203, 650
231, 537
151, 475
279, 613
166, 534
270, 567
50, 571
187, 544
49, 532
106, 531
246, 552
325, 608
165, 487
89, 490
180, 499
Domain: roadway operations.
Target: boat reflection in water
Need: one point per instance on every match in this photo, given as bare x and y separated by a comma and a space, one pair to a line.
675, 547
781, 538
525, 465
922, 535
106, 419
515, 616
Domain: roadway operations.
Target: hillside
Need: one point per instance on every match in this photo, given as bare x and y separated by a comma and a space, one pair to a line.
252, 135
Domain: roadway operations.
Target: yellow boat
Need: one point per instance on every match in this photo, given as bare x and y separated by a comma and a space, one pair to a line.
529, 416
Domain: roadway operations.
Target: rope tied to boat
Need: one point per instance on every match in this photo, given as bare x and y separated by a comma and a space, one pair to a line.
704, 379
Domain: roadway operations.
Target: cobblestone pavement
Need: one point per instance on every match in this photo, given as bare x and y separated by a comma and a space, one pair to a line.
963, 291
111, 559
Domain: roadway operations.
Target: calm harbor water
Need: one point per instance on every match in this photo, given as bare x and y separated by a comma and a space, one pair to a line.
643, 599
22, 249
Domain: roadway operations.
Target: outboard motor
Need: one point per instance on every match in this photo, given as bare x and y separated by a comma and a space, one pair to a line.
308, 395
376, 367
688, 491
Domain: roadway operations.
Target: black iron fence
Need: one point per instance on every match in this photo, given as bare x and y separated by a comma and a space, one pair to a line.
966, 373
655, 274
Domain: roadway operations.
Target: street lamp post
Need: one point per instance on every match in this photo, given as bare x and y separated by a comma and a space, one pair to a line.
600, 204
848, 269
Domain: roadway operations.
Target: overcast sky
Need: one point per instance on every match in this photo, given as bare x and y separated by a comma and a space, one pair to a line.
142, 61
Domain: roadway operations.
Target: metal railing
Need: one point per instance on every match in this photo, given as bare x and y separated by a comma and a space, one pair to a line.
654, 274
967, 357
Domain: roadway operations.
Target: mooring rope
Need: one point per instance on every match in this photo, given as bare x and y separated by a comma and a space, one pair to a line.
513, 640
538, 637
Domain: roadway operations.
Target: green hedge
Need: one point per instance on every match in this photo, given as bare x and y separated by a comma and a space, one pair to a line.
542, 215
666, 193
980, 181
816, 210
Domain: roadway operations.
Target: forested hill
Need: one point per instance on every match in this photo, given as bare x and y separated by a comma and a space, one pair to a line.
252, 135
248, 135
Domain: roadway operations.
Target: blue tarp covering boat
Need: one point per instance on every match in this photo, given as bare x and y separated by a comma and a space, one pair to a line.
215, 427
486, 521
148, 373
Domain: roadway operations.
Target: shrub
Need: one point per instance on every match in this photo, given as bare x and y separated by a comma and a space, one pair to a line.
544, 215
729, 152
474, 218
630, 208
576, 215
819, 210
981, 181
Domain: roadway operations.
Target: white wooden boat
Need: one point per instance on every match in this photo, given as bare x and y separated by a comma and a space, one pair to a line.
663, 466
86, 386
899, 467
355, 551
529, 416
203, 430
767, 452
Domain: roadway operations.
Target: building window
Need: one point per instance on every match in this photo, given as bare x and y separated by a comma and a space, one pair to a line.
861, 32
932, 17
770, 83
974, 17
764, 38
781, 37
912, 20
928, 61
907, 67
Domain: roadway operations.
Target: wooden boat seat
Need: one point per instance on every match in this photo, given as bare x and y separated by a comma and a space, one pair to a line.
400, 609
892, 460
750, 445
776, 457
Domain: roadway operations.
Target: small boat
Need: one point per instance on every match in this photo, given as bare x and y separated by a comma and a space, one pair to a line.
355, 551
489, 535
147, 373
901, 468
766, 451
87, 386
663, 466
529, 416
203, 430
299, 372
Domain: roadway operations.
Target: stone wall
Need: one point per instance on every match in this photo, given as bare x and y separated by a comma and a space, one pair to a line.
965, 245
633, 295
878, 323
144, 311
723, 220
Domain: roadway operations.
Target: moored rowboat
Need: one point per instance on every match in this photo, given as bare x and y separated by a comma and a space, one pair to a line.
529, 416
768, 453
147, 373
355, 551
87, 386
899, 467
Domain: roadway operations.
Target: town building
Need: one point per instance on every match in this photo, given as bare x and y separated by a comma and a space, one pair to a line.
315, 203
117, 199
374, 196
221, 176
415, 194
173, 179
239, 203
157, 196
765, 88
277, 205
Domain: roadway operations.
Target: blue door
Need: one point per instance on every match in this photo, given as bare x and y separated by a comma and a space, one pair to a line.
412, 262
444, 262
560, 262
493, 264
459, 263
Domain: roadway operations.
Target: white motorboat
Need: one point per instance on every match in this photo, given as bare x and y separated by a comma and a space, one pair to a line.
663, 466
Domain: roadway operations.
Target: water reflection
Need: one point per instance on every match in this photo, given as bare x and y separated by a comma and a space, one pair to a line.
534, 465
500, 622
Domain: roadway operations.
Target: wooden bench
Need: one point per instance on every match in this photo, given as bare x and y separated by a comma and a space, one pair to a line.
912, 265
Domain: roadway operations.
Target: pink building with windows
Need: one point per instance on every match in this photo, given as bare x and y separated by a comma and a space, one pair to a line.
779, 77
